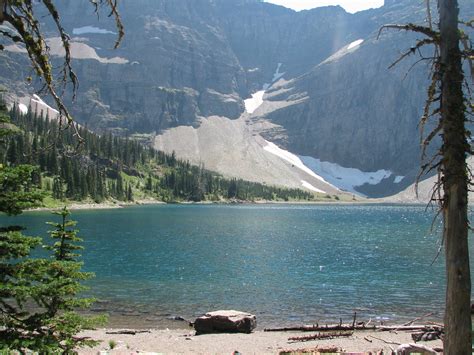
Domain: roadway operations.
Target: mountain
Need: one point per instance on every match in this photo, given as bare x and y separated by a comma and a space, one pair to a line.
253, 90
425, 191
117, 170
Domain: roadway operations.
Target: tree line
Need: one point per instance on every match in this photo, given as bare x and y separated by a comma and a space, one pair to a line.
107, 167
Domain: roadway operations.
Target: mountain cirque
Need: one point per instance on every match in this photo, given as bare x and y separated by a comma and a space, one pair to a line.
185, 67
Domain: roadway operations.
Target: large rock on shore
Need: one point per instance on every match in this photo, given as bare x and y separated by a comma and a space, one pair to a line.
225, 322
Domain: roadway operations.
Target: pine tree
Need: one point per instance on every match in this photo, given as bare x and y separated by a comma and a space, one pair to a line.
232, 190
129, 193
120, 192
149, 183
63, 286
12, 154
456, 183
51, 285
58, 193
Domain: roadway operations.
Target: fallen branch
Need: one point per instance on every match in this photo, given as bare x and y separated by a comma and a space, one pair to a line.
408, 328
416, 319
320, 336
128, 332
341, 327
436, 324
318, 328
385, 341
321, 350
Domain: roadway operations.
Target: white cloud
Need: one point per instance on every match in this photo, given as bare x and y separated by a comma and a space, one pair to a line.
348, 5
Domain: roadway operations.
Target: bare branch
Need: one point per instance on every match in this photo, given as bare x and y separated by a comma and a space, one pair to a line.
434, 35
412, 50
428, 14
21, 16
469, 55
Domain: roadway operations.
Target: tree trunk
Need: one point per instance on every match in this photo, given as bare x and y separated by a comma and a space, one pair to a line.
2, 8
455, 184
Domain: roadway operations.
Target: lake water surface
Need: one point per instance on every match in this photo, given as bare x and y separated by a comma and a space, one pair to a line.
288, 264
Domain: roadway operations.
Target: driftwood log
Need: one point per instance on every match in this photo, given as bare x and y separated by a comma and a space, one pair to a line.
128, 332
322, 328
316, 350
319, 336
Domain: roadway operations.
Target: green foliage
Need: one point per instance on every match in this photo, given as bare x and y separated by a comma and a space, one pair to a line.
113, 168
17, 188
17, 191
39, 296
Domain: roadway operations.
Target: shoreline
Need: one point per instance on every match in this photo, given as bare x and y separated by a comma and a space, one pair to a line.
77, 206
184, 341
126, 315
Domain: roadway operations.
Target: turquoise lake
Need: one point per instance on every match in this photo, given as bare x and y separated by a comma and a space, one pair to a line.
288, 264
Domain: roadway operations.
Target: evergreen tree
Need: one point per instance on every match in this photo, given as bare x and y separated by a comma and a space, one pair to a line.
58, 193
120, 192
98, 171
232, 190
12, 154
149, 183
456, 182
129, 193
51, 285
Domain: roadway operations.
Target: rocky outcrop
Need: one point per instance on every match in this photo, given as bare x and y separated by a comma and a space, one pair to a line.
212, 103
222, 49
354, 111
225, 322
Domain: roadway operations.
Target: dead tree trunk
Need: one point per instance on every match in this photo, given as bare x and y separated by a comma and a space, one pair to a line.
2, 8
455, 185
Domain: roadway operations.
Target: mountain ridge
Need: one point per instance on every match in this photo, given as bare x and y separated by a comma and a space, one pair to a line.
184, 62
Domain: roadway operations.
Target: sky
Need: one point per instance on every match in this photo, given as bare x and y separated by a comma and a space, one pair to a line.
348, 5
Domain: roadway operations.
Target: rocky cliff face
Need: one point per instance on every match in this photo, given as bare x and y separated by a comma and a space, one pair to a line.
184, 61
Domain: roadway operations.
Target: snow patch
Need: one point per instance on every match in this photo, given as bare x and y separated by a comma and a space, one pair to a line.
15, 48
292, 159
253, 70
350, 48
80, 51
91, 29
277, 75
307, 185
398, 179
39, 105
23, 109
355, 44
254, 102
346, 179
